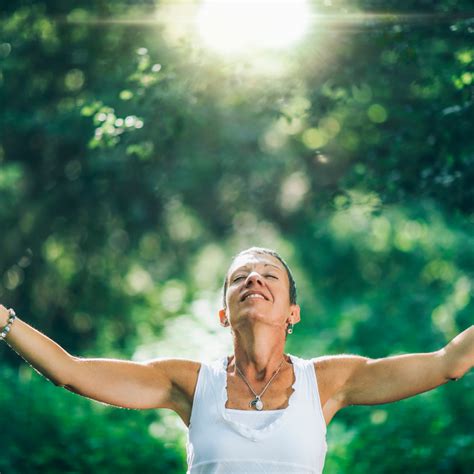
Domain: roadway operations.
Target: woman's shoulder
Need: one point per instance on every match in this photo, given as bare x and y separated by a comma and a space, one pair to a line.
181, 372
333, 371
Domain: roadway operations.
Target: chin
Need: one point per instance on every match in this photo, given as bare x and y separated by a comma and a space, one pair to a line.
252, 314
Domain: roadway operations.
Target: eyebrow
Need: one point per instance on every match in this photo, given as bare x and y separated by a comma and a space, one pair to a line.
246, 267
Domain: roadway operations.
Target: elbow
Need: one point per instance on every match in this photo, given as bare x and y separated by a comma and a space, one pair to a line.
454, 377
58, 383
458, 354
455, 367
63, 377
67, 387
459, 373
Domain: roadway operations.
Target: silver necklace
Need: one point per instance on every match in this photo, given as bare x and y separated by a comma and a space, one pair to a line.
257, 401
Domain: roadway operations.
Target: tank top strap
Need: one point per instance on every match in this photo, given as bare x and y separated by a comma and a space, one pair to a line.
206, 393
308, 384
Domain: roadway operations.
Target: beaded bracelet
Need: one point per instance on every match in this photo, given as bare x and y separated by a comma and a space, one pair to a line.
6, 329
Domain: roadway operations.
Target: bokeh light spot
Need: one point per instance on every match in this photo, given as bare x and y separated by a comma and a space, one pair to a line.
377, 113
314, 138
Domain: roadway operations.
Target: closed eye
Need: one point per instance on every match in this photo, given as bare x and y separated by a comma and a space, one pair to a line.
242, 276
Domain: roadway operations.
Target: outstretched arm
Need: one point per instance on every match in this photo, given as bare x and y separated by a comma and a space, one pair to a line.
156, 383
365, 381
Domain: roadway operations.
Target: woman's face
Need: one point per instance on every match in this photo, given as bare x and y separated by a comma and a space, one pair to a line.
258, 290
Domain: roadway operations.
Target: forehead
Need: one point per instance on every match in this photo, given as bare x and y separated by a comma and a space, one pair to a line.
255, 259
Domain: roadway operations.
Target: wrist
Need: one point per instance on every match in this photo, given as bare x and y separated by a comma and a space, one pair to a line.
4, 330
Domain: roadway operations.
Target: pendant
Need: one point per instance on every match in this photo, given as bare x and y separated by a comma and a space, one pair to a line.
257, 403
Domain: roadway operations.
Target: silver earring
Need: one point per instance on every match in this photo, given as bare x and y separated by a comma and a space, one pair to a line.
290, 328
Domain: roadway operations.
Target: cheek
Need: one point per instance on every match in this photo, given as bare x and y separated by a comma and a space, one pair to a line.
232, 294
283, 295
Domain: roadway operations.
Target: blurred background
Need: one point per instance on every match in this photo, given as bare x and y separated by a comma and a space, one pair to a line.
144, 143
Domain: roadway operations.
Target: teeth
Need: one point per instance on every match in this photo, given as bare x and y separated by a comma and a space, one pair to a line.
254, 296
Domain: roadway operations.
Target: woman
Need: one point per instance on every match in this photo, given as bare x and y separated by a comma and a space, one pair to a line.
258, 410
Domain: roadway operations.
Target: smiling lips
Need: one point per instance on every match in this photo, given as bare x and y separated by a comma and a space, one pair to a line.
253, 295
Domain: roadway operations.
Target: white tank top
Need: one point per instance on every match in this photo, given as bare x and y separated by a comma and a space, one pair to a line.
223, 440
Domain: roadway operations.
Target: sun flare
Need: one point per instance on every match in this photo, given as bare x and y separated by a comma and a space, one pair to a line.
245, 26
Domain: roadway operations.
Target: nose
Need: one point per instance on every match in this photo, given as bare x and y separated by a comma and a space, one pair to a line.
254, 278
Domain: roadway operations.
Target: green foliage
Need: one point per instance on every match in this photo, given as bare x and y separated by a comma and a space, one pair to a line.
134, 164
414, 435
48, 429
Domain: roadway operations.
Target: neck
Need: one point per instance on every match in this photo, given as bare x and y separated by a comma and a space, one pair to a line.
258, 351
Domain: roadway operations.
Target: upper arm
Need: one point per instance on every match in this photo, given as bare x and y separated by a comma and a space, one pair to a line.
333, 373
139, 385
365, 381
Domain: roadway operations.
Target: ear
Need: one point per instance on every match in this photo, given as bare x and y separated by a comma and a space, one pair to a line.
223, 317
294, 314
